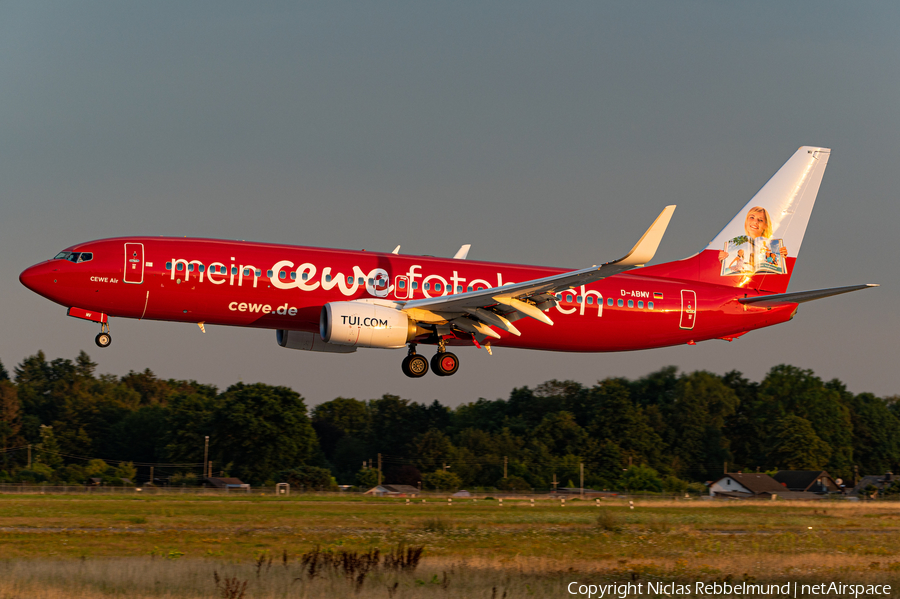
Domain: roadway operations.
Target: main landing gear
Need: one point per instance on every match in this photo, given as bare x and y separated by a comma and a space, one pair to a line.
443, 363
414, 365
103, 338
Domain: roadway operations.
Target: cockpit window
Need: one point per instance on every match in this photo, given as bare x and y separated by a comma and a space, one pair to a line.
75, 256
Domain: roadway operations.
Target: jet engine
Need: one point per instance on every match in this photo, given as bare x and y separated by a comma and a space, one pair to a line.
309, 342
362, 324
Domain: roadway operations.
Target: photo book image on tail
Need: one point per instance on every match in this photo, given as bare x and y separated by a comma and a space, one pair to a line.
748, 256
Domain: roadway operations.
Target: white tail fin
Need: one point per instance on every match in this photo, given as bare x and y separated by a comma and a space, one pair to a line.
787, 200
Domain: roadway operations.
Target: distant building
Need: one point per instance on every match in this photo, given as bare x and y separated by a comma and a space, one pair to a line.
576, 491
393, 491
811, 481
225, 483
873, 481
754, 485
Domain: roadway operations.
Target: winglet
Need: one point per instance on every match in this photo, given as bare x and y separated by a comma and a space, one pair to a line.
644, 250
396, 250
463, 252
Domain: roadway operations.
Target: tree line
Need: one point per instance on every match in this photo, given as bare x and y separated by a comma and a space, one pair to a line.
60, 422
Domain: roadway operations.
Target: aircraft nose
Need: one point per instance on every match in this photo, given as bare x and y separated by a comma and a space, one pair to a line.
37, 277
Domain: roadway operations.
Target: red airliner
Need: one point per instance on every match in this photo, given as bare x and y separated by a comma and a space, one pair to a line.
331, 300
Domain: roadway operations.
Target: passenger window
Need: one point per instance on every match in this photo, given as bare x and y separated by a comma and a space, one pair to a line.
305, 275
590, 300
270, 274
293, 276
640, 304
179, 267
469, 288
609, 302
282, 275
437, 286
258, 273
168, 266
631, 303
559, 296
620, 303
650, 305
349, 280
415, 285
401, 284
327, 278
190, 268
427, 286
361, 281
234, 270
246, 272
459, 289
569, 298
202, 268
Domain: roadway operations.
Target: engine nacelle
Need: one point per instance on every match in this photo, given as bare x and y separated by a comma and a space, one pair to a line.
362, 324
309, 342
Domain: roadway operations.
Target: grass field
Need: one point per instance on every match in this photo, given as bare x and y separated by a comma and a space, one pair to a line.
164, 546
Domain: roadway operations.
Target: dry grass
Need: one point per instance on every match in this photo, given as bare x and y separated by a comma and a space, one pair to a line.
171, 547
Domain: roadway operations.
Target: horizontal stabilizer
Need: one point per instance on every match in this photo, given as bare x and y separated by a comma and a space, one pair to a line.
781, 299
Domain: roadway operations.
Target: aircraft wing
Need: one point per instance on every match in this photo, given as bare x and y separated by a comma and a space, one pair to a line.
476, 311
782, 299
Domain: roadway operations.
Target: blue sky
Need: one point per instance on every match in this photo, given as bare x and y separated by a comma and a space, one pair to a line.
541, 133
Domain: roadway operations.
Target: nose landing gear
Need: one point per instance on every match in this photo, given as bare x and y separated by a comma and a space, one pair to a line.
103, 338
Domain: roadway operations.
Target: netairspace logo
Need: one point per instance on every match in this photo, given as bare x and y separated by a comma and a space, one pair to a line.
720, 589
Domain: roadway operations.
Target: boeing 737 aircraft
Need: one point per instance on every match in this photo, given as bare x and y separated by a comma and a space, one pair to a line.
336, 301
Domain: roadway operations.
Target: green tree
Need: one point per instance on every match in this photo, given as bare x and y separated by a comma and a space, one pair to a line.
560, 433
10, 421
876, 431
125, 470
309, 478
441, 480
339, 418
189, 419
432, 449
794, 445
48, 449
260, 429
788, 390
96, 468
513, 483
4, 376
367, 478
618, 419
641, 478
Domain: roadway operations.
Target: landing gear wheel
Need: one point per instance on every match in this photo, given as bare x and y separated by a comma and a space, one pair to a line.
444, 363
414, 366
103, 339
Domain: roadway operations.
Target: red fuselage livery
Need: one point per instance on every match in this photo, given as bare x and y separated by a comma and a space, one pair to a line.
338, 300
